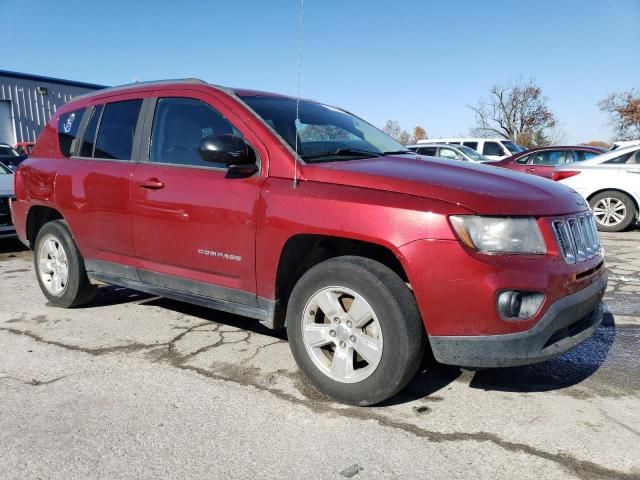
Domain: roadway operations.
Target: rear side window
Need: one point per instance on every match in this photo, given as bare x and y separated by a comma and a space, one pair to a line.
115, 133
581, 155
523, 160
473, 145
68, 124
625, 158
492, 148
90, 132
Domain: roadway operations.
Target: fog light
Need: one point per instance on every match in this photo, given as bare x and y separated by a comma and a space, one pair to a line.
517, 305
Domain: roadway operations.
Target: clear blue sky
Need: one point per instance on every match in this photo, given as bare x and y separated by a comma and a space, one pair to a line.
418, 62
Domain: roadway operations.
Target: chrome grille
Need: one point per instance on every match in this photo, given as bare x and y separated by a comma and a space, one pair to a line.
577, 237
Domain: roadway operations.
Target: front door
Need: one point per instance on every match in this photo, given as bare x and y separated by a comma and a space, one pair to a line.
194, 228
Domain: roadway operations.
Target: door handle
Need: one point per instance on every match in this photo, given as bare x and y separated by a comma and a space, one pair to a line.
531, 170
151, 184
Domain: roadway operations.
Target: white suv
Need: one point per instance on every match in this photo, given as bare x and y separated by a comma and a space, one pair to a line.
492, 148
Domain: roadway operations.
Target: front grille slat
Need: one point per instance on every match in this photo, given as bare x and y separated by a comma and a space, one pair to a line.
577, 237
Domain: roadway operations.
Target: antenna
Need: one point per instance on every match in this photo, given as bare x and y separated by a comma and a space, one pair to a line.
297, 121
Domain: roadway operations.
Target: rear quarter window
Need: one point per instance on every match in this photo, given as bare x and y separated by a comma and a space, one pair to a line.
68, 124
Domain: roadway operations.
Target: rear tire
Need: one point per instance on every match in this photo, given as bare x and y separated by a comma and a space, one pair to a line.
60, 268
613, 211
354, 330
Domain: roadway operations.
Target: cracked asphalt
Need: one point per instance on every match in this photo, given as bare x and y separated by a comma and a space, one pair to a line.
136, 386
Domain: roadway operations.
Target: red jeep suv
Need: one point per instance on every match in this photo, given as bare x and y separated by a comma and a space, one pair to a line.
302, 215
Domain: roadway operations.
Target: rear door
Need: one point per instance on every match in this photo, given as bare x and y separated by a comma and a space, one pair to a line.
194, 227
94, 186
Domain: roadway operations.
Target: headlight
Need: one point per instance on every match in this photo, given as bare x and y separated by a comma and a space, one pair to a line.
499, 234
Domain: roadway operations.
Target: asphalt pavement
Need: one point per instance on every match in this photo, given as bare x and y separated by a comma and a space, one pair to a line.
135, 386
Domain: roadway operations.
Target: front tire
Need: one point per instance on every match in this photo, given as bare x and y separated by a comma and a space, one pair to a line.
354, 330
614, 211
60, 268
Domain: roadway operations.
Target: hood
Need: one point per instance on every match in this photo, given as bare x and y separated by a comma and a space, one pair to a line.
6, 184
483, 189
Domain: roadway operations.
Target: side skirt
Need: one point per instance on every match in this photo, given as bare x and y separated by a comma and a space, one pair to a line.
264, 312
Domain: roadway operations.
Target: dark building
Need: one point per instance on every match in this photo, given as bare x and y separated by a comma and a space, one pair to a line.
27, 102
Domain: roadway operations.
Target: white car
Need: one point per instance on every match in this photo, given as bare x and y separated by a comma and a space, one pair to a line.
610, 183
454, 152
6, 193
492, 148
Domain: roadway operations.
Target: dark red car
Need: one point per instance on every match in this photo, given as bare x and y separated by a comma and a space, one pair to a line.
540, 161
302, 215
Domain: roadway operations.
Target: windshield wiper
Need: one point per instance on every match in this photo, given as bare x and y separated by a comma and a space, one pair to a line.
398, 152
343, 152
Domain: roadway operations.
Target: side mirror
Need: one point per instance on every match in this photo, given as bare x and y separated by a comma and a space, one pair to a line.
231, 150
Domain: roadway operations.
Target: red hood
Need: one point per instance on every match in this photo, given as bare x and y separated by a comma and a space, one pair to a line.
482, 189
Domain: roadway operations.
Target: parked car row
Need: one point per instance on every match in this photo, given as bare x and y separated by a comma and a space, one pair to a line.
492, 148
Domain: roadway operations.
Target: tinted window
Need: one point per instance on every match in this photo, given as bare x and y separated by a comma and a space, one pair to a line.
68, 124
523, 160
492, 148
453, 143
473, 145
179, 125
431, 151
7, 151
117, 126
89, 137
549, 157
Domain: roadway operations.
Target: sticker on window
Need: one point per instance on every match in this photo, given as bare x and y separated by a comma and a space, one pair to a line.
69, 123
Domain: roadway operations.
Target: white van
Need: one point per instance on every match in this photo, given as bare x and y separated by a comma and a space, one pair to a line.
492, 148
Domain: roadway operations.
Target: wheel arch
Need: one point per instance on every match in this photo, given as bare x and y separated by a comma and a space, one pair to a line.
316, 248
37, 217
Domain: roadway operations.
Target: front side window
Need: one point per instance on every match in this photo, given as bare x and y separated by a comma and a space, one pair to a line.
117, 127
180, 125
472, 154
323, 133
492, 148
582, 155
449, 153
68, 124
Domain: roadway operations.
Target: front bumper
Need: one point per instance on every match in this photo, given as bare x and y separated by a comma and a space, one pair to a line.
568, 322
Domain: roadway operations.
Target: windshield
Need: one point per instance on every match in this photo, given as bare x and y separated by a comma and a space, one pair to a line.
325, 134
4, 170
512, 147
472, 154
7, 151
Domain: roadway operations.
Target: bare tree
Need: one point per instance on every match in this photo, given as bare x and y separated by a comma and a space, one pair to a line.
404, 137
624, 109
392, 128
419, 133
513, 110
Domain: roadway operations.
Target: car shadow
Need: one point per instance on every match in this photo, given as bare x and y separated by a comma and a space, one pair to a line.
217, 316
564, 371
561, 372
114, 295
